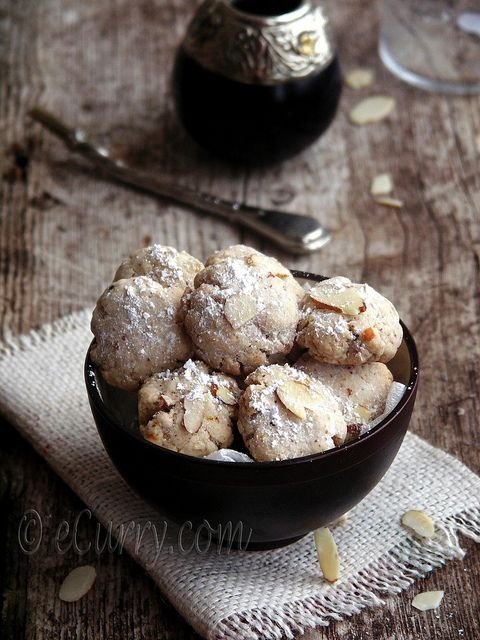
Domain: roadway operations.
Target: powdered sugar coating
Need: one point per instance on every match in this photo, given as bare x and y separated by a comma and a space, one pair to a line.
372, 335
272, 432
361, 390
234, 251
243, 311
137, 331
165, 399
166, 265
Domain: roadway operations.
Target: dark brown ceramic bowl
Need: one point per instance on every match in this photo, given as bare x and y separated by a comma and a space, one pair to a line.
268, 504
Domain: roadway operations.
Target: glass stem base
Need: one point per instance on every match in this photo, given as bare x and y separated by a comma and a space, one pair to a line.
419, 81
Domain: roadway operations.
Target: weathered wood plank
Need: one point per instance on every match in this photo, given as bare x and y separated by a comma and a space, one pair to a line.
106, 66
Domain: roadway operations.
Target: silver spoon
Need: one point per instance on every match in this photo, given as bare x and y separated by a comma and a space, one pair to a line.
293, 232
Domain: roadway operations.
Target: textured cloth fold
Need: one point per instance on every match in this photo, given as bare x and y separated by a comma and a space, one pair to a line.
235, 595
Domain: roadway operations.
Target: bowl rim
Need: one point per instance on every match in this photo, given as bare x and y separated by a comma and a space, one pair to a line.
91, 373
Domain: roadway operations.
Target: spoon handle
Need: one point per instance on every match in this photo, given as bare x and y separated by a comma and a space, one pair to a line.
293, 232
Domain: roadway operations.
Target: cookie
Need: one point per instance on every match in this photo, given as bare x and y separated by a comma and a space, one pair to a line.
166, 265
243, 311
190, 410
349, 324
284, 413
361, 390
234, 251
137, 331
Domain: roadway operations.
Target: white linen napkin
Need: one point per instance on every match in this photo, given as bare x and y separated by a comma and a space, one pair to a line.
236, 595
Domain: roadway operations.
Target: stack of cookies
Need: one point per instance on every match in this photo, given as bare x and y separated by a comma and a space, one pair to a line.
238, 344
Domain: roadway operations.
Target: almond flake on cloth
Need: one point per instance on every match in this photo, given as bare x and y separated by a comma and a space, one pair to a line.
234, 595
327, 554
419, 522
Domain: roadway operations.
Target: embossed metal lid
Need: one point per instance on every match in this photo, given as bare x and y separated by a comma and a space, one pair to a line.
234, 39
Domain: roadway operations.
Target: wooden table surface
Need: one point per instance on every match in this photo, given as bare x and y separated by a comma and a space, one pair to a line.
105, 66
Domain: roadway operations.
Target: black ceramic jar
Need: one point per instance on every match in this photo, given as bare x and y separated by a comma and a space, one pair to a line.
257, 81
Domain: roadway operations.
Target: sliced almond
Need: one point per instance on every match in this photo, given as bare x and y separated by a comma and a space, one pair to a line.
381, 185
209, 410
327, 554
258, 260
372, 109
226, 396
297, 397
419, 522
239, 309
264, 262
394, 203
77, 583
347, 301
364, 413
194, 412
359, 78
428, 600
